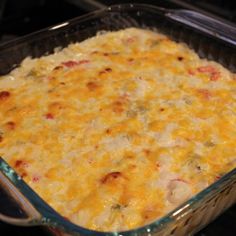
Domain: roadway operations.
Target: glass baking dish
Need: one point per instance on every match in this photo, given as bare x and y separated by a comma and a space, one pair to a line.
209, 37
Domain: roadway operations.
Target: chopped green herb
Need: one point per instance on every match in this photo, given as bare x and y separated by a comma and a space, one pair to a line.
154, 43
116, 207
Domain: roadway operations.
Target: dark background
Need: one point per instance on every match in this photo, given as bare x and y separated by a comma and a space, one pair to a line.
22, 17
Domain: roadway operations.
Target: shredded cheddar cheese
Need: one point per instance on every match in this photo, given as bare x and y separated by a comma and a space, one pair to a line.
116, 131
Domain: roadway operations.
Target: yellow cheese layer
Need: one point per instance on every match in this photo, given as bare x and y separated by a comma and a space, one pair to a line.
116, 131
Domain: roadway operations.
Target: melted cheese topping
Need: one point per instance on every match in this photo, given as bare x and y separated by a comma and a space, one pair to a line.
117, 130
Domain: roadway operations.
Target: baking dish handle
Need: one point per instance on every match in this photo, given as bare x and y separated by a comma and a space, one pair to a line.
14, 201
213, 26
35, 210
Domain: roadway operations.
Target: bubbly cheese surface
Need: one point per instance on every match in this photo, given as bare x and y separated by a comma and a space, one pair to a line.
116, 131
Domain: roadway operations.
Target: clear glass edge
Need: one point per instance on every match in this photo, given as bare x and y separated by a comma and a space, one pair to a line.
52, 218
175, 15
81, 19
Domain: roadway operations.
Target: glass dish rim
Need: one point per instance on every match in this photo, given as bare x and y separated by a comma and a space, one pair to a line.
53, 218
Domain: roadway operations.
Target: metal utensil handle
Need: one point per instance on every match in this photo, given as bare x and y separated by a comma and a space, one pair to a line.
32, 215
218, 28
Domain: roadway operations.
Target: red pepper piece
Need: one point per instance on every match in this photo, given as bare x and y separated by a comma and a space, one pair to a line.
212, 71
205, 93
4, 95
49, 116
36, 179
70, 64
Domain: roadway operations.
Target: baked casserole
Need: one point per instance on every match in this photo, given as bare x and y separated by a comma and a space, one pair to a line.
118, 130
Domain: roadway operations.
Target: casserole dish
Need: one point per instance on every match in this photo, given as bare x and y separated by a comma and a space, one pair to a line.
188, 217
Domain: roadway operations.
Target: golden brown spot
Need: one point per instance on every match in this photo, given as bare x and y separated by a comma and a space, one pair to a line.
58, 68
146, 152
108, 131
132, 167
110, 177
118, 105
11, 125
92, 86
24, 174
106, 70
130, 156
110, 53
94, 52
55, 106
